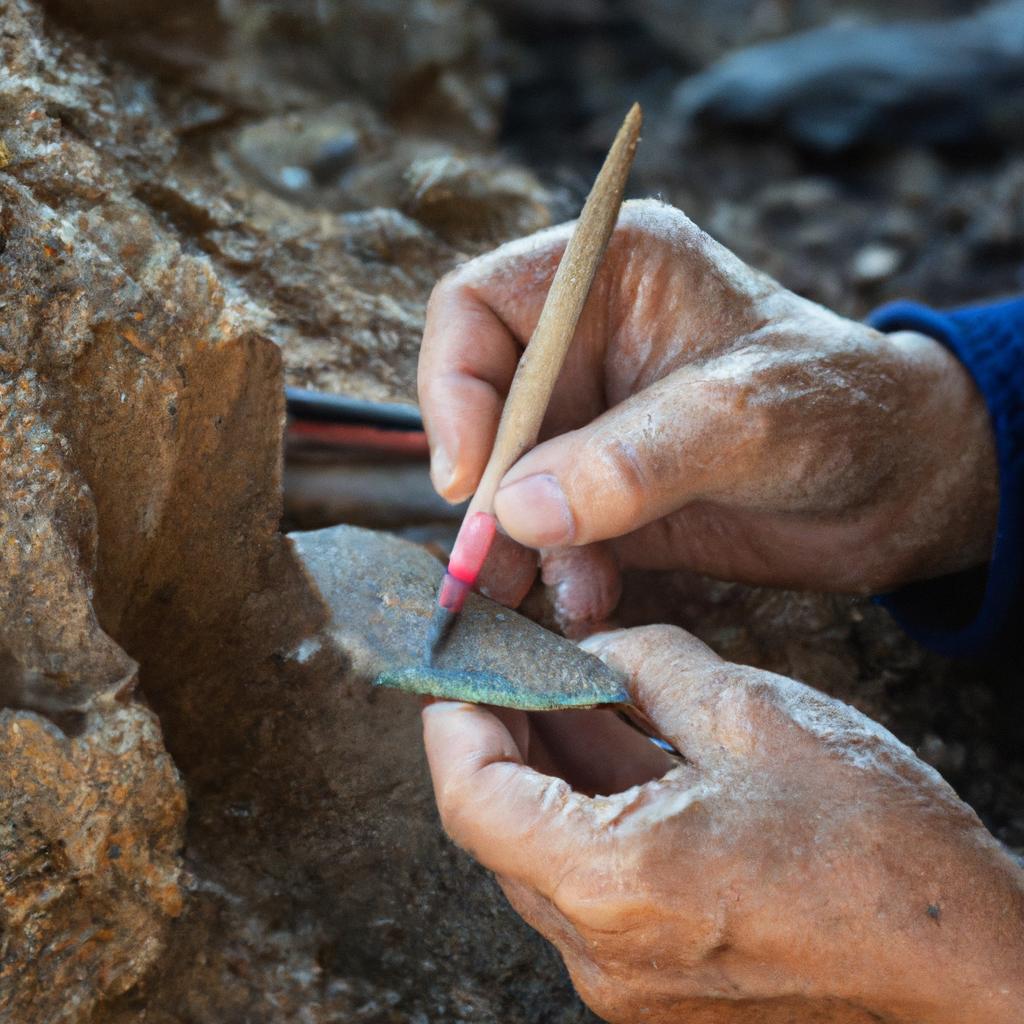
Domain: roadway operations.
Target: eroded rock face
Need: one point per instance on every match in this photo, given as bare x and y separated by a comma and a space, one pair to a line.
121, 365
156, 267
90, 875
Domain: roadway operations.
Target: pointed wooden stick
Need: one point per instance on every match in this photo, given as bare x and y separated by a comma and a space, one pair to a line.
538, 370
542, 359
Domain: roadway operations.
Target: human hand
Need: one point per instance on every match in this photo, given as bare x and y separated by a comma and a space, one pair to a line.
802, 865
708, 419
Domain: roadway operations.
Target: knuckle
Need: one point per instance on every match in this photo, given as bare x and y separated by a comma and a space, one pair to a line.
638, 648
745, 709
451, 806
656, 218
593, 907
669, 653
442, 287
610, 997
626, 472
577, 898
661, 640
449, 281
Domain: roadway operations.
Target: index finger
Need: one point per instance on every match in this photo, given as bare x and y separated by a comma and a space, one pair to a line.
478, 319
514, 820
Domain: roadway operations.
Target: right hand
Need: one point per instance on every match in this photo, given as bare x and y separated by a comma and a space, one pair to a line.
709, 419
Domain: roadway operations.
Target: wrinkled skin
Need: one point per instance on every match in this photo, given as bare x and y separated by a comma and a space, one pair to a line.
707, 419
802, 866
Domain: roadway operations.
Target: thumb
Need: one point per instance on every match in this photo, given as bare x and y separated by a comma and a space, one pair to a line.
514, 820
632, 465
695, 699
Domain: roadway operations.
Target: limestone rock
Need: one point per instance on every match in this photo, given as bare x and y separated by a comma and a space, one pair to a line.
155, 284
91, 828
426, 63
952, 82
467, 201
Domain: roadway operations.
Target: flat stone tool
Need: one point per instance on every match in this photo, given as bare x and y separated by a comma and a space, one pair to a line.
379, 592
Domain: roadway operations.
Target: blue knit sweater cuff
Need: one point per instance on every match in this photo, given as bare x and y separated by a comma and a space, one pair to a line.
976, 612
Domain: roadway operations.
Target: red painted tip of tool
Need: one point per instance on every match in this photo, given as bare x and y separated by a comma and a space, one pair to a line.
468, 556
471, 547
452, 595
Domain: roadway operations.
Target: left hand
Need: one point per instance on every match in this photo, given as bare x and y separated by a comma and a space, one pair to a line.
802, 865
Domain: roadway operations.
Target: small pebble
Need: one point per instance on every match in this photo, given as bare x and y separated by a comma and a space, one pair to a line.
295, 178
875, 263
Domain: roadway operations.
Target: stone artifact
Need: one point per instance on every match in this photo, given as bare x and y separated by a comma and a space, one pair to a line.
381, 592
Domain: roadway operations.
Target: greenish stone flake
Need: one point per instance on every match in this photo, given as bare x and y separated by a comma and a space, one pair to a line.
484, 688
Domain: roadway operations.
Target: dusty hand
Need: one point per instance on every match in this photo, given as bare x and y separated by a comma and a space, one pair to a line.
709, 419
803, 865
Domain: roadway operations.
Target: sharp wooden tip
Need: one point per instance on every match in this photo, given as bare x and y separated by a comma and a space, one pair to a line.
437, 631
628, 135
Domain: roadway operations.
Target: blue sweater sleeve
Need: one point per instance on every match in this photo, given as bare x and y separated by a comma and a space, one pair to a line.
976, 612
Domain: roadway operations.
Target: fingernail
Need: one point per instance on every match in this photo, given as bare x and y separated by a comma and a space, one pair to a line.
442, 470
535, 511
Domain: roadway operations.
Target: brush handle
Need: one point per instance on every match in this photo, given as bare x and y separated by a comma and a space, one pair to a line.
541, 361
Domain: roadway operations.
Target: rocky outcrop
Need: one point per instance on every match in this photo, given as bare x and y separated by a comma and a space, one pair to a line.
90, 872
170, 253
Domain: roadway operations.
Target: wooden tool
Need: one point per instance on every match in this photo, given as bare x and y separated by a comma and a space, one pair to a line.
537, 372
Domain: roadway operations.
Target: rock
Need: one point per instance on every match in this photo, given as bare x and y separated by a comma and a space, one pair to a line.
344, 158
425, 63
918, 176
467, 201
875, 263
954, 82
121, 360
712, 28
382, 592
308, 152
54, 656
998, 229
91, 828
155, 285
